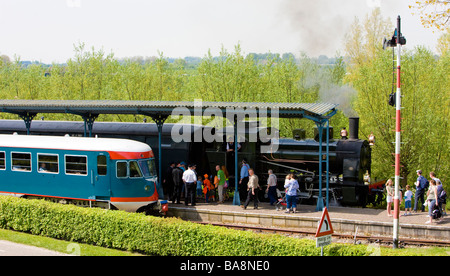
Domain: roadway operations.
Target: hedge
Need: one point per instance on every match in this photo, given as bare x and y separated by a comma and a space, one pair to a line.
150, 235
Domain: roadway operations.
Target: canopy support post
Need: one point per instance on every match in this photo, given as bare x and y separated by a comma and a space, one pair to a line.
159, 119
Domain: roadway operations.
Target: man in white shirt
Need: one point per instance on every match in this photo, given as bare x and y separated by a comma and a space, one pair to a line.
190, 182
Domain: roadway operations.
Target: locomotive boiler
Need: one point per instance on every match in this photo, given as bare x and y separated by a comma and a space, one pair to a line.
349, 160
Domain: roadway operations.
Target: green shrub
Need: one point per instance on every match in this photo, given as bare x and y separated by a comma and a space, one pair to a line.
149, 235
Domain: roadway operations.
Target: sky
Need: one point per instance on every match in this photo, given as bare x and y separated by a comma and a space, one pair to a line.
46, 30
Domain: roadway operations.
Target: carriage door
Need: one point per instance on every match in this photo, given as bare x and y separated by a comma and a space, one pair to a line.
101, 179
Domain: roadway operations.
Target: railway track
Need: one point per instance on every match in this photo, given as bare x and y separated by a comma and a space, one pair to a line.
371, 239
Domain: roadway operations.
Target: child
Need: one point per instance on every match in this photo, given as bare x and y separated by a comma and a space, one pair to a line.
199, 186
389, 196
408, 198
207, 188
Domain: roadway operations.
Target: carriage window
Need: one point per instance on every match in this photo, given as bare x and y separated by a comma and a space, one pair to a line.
2, 161
121, 169
101, 165
134, 169
21, 161
148, 167
76, 164
48, 163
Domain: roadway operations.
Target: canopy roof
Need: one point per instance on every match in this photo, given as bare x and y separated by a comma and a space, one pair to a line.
317, 111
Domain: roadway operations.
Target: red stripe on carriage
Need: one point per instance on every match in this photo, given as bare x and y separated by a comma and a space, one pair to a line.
135, 199
119, 155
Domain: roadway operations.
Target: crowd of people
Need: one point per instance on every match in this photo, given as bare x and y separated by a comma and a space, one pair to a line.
434, 191
182, 179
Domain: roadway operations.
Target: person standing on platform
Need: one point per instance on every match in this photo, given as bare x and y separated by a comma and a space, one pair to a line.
207, 188
389, 196
199, 186
432, 200
222, 178
190, 180
177, 174
253, 188
243, 181
272, 187
291, 194
226, 185
421, 186
168, 182
408, 200
441, 194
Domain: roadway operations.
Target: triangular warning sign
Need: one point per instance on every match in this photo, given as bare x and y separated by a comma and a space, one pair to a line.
325, 227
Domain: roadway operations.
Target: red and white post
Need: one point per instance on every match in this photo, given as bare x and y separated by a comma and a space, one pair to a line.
397, 142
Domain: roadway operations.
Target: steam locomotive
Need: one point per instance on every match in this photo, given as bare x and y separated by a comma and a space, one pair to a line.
349, 159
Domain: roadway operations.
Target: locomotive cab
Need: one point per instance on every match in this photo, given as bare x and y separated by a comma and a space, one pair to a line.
134, 183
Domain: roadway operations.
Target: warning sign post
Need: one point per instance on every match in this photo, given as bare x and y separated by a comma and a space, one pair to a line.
324, 230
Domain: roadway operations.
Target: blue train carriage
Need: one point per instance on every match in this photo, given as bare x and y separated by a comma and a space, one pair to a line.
95, 172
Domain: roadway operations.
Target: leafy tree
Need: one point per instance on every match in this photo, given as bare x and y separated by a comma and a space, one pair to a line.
425, 112
362, 42
443, 44
233, 76
425, 104
433, 13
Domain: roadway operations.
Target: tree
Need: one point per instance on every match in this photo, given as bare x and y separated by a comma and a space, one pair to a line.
433, 13
425, 112
229, 77
362, 42
425, 105
443, 44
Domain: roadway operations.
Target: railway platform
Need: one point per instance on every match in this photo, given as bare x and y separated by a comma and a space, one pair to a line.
345, 220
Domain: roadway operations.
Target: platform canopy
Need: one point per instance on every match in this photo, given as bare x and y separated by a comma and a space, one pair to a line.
159, 111
317, 111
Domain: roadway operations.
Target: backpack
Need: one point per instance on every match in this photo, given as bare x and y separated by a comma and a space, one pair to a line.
427, 184
423, 182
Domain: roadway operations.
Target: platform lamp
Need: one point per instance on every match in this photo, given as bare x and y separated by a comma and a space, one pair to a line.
397, 40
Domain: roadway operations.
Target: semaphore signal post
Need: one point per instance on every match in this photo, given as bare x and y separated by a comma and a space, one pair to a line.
397, 41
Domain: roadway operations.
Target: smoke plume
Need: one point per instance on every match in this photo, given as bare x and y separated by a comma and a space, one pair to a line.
321, 25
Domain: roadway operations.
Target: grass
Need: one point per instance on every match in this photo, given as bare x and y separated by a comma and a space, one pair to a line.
60, 245
424, 251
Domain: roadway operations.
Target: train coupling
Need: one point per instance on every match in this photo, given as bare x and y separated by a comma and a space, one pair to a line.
156, 208
163, 207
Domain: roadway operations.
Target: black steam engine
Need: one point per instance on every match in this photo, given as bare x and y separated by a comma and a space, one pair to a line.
349, 159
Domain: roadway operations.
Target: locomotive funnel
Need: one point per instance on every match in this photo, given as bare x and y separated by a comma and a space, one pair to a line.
353, 125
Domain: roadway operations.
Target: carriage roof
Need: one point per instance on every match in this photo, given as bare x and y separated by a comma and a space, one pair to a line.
72, 143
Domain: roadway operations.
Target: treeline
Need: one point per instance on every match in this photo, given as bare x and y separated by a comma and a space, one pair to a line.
93, 75
360, 85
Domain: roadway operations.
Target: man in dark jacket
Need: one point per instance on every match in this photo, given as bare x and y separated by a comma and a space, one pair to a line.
421, 186
177, 175
168, 182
